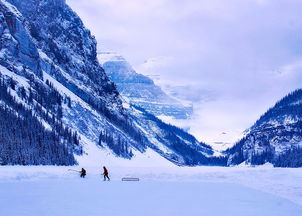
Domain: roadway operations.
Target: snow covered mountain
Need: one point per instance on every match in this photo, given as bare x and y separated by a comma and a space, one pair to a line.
276, 137
57, 104
141, 90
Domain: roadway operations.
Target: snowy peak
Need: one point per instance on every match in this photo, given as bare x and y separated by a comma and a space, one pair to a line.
119, 70
110, 57
140, 89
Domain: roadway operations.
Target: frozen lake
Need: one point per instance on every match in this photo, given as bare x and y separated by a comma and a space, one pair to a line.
30, 191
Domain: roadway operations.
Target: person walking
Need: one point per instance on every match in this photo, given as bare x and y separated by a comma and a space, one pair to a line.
105, 173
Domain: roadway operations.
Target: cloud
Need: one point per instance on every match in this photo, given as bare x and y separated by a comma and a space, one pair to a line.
156, 62
293, 69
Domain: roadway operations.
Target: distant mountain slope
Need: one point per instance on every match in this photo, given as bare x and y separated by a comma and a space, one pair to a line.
51, 80
276, 137
141, 90
172, 142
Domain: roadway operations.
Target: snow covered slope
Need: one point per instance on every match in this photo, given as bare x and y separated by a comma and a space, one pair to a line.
141, 90
49, 70
276, 137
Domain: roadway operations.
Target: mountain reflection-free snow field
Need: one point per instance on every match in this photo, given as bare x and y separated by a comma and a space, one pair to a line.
160, 191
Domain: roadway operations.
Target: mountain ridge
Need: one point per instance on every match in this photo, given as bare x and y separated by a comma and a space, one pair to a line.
276, 137
55, 74
140, 89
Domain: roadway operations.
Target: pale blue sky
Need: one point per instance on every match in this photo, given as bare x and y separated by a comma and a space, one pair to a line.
245, 54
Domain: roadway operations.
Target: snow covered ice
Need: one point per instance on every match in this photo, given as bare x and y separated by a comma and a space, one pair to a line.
214, 191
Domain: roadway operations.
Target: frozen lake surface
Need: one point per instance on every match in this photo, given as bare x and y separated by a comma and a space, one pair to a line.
174, 191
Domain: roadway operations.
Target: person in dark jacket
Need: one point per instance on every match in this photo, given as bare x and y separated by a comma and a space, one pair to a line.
105, 173
83, 173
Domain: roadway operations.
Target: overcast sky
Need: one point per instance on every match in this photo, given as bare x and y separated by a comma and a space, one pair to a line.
237, 56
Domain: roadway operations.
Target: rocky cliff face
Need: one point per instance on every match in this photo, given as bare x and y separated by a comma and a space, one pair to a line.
50, 77
17, 49
67, 49
276, 137
141, 90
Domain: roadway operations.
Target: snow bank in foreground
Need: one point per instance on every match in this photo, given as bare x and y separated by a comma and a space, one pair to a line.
149, 198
